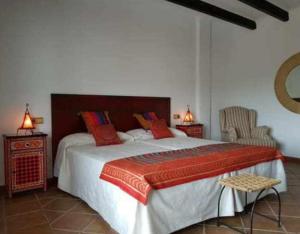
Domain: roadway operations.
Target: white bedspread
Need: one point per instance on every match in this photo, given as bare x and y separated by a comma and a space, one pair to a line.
168, 209
176, 143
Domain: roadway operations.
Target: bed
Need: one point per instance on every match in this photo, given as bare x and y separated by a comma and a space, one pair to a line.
78, 167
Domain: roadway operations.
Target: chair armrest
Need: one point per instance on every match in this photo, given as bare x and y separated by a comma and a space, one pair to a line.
229, 135
261, 132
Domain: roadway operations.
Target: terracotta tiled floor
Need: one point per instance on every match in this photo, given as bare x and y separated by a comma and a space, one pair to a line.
56, 212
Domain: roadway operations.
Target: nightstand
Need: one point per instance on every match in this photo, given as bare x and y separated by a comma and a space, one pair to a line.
192, 130
25, 159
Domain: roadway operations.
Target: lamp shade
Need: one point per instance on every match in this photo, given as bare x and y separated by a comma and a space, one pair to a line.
27, 121
188, 118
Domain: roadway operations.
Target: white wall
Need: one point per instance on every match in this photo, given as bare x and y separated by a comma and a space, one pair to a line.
203, 73
119, 47
244, 66
293, 83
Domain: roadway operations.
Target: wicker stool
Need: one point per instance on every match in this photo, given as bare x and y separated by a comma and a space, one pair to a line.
249, 183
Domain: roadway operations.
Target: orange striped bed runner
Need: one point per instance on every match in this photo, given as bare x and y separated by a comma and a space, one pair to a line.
138, 175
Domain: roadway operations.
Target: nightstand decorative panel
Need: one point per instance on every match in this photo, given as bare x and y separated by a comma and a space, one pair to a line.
25, 162
192, 130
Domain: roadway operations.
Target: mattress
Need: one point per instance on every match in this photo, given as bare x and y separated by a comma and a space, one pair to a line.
168, 209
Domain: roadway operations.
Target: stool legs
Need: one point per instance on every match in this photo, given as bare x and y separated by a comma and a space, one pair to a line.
219, 201
279, 209
279, 206
252, 210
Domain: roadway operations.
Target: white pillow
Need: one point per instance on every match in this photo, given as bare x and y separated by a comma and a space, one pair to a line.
81, 138
177, 132
124, 137
86, 139
140, 134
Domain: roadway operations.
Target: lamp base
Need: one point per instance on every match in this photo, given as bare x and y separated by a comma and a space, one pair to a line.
187, 123
30, 131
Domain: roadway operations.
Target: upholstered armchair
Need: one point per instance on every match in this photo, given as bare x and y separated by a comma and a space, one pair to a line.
238, 125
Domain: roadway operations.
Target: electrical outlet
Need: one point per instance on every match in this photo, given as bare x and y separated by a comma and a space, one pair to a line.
176, 116
38, 120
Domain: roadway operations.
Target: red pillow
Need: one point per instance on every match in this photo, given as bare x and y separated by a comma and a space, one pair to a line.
105, 135
160, 129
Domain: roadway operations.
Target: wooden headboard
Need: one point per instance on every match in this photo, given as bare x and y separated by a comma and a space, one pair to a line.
66, 108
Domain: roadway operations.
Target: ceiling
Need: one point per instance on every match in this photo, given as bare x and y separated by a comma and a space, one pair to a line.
240, 8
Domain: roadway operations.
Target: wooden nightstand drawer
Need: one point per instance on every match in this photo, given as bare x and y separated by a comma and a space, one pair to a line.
26, 144
193, 130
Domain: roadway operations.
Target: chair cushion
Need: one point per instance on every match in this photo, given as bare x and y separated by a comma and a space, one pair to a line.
257, 141
238, 118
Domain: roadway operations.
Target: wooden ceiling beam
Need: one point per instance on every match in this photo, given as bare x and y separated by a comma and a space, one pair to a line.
268, 8
217, 12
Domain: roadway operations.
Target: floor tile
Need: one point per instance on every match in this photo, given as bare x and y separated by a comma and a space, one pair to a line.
232, 221
61, 204
291, 224
98, 225
40, 229
287, 209
297, 173
20, 198
56, 231
1, 208
1, 226
294, 167
52, 215
46, 200
263, 232
261, 223
263, 208
16, 208
218, 230
195, 229
2, 192
284, 197
83, 208
53, 192
295, 190
73, 221
25, 221
293, 181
